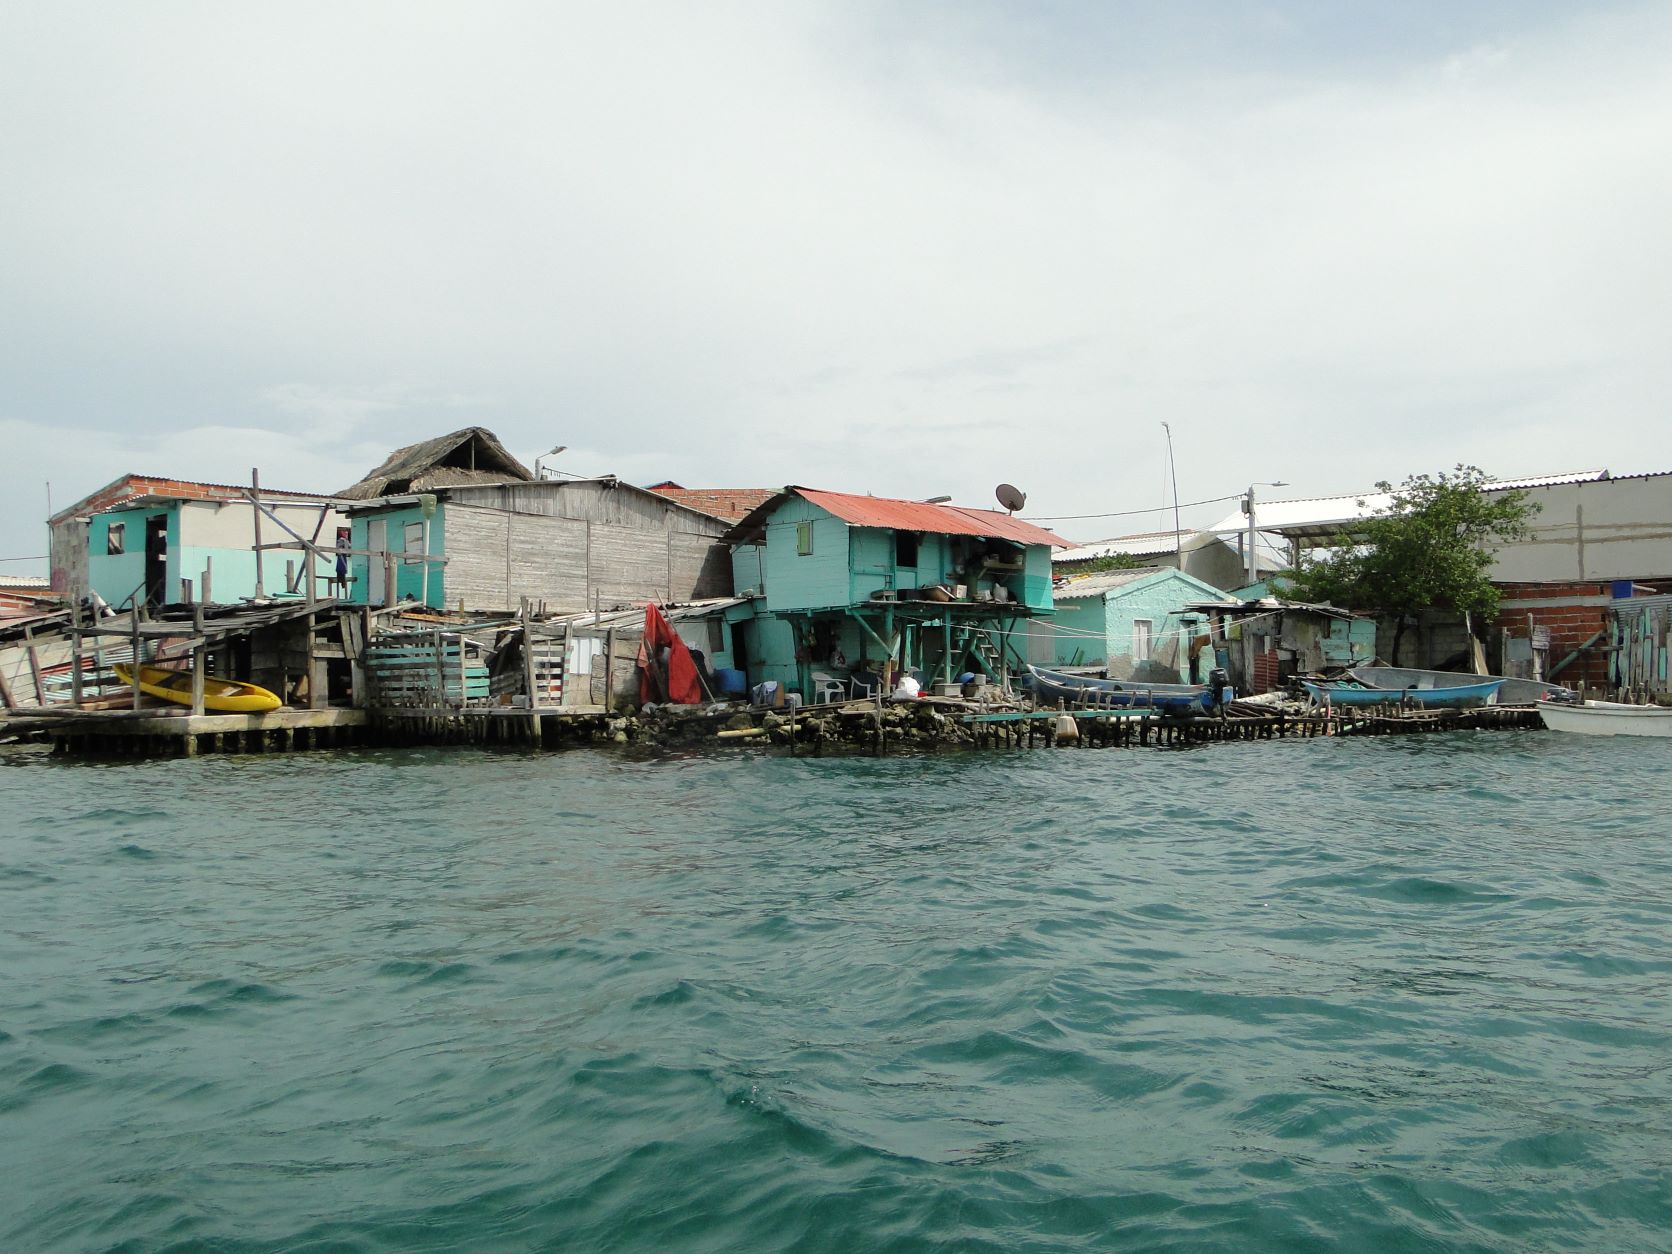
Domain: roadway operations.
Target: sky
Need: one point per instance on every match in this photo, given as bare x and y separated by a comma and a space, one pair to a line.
905, 248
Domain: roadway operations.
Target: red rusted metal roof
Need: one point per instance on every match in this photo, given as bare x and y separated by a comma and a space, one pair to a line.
954, 520
727, 504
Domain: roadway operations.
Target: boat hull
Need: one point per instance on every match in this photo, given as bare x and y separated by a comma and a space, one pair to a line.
1458, 696
228, 696
1053, 686
1605, 718
1514, 691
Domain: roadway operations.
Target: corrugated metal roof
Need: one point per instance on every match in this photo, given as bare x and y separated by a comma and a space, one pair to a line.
1139, 544
1323, 516
26, 583
727, 504
955, 520
1107, 581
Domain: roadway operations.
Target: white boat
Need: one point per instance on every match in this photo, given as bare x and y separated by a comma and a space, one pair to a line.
1607, 718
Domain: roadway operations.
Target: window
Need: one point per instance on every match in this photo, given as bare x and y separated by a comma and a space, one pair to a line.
115, 539
905, 548
803, 539
716, 636
1143, 629
415, 537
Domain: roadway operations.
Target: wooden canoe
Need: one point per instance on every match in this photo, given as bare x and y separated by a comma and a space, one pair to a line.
228, 696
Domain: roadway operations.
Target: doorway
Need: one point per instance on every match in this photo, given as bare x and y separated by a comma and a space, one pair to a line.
156, 559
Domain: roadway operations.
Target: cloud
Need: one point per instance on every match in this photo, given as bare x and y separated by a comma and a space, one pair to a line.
898, 249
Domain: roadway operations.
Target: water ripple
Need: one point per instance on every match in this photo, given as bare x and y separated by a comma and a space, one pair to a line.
1378, 994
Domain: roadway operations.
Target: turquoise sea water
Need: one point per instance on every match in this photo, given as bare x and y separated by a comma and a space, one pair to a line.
1383, 994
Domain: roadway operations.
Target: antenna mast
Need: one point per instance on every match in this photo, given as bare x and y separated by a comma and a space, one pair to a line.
1173, 469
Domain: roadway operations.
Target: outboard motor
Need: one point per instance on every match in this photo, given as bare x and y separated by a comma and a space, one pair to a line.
1219, 680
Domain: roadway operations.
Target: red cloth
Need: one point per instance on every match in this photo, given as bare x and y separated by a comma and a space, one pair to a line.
683, 687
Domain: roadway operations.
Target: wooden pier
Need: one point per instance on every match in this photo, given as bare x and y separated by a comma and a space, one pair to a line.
1133, 728
166, 733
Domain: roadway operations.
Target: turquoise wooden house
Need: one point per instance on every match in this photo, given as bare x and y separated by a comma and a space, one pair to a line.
167, 550
847, 588
1134, 624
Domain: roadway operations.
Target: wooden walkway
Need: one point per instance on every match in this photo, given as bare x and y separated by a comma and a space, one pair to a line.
164, 733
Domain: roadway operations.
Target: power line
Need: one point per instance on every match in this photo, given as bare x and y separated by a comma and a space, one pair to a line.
1126, 513
40, 557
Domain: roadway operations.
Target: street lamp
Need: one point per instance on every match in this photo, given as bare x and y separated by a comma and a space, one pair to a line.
552, 452
1248, 508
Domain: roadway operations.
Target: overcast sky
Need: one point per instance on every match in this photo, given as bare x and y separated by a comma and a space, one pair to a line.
906, 248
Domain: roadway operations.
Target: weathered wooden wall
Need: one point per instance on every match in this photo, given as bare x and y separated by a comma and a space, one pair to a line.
576, 545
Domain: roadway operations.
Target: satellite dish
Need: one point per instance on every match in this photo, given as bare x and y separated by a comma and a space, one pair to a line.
1011, 497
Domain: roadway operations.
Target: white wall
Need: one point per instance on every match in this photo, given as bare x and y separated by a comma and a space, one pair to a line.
1599, 530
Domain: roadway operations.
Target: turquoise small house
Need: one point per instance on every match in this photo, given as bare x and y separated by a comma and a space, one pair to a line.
162, 550
846, 587
1134, 624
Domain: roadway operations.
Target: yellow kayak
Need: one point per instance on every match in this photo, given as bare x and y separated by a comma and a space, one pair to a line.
231, 696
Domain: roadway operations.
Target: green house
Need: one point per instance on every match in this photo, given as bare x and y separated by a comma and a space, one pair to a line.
846, 588
1134, 624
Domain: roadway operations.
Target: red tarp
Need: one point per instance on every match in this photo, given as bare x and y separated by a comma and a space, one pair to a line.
683, 686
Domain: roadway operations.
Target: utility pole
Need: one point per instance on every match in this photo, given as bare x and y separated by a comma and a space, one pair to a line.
1253, 529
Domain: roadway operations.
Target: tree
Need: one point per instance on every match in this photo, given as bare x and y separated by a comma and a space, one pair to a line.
1110, 561
1430, 549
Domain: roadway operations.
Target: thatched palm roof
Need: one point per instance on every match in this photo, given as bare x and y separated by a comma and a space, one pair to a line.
473, 455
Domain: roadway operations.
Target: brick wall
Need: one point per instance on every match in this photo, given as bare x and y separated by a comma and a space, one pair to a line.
1572, 613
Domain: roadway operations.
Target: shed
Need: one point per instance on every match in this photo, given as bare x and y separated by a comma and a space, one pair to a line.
1134, 624
1265, 643
572, 544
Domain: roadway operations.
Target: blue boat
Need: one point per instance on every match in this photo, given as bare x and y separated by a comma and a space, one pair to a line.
1352, 692
1050, 687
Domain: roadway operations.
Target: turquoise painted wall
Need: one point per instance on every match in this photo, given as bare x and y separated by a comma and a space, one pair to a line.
409, 576
117, 578
1351, 642
795, 581
1036, 577
1080, 633
1160, 599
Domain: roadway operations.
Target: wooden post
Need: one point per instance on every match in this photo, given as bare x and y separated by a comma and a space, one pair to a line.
563, 665
255, 497
318, 693
35, 664
198, 653
135, 662
75, 651
206, 593
609, 669
464, 695
528, 659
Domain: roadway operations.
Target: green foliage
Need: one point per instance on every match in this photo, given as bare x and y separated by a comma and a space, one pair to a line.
1115, 561
1431, 548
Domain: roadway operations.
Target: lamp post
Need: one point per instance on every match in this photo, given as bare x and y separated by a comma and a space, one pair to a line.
1248, 508
551, 452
